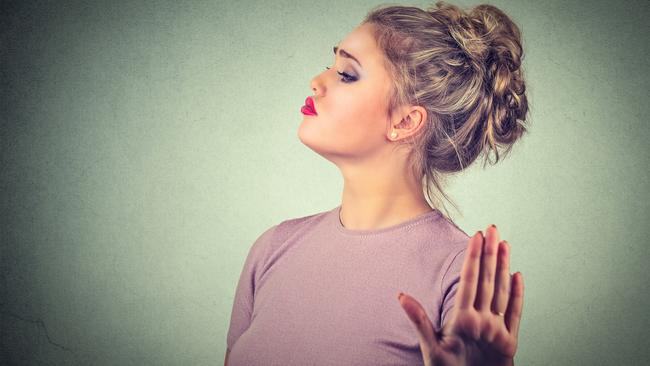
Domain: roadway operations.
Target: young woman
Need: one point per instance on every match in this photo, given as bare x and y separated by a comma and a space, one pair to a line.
413, 95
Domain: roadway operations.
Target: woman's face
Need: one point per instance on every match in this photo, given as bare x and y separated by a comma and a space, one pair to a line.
351, 120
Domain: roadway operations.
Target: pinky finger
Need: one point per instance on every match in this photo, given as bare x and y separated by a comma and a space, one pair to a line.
516, 303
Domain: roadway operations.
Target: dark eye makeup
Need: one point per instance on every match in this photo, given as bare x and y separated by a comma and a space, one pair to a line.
347, 78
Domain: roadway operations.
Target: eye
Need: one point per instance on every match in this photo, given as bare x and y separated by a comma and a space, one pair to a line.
347, 78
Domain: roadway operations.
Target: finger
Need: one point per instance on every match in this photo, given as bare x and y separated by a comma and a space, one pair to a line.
502, 284
466, 294
421, 321
516, 304
488, 269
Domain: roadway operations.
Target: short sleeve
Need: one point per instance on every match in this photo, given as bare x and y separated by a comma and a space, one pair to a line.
450, 283
242, 308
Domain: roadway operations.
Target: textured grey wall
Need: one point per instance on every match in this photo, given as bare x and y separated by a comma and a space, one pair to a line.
145, 145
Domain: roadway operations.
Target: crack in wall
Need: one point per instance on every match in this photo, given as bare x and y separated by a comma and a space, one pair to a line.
41, 324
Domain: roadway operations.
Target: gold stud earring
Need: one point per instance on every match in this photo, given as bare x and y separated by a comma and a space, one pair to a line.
393, 134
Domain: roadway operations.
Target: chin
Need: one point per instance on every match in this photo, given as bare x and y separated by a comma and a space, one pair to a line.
314, 140
308, 137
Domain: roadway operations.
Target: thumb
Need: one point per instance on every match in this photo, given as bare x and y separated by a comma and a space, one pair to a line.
423, 326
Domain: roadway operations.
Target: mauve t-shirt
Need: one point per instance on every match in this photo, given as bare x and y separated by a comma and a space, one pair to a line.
312, 292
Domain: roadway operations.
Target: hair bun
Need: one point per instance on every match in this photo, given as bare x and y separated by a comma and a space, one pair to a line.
468, 33
502, 35
485, 34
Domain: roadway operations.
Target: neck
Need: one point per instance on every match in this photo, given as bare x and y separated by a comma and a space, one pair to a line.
367, 206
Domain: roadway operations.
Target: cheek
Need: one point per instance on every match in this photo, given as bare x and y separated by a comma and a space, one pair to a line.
351, 122
357, 117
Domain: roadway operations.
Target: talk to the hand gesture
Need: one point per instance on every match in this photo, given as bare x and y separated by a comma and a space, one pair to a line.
485, 317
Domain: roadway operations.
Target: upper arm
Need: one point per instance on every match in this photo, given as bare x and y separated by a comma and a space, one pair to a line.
449, 285
448, 304
242, 307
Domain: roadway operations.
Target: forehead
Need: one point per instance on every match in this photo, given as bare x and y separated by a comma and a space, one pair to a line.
360, 42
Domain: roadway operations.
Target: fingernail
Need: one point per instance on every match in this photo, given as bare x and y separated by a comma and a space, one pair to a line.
494, 226
399, 297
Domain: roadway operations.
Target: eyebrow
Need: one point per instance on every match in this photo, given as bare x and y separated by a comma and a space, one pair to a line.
344, 53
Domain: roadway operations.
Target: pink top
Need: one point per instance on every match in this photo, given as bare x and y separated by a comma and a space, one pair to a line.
312, 292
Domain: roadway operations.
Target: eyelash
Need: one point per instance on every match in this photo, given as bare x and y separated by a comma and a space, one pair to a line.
347, 78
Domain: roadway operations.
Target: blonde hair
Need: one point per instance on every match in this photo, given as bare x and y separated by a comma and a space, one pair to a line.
464, 68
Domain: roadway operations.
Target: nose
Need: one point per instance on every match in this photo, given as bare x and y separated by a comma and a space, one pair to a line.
318, 83
314, 84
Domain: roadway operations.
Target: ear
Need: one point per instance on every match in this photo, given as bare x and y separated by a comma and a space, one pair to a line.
410, 121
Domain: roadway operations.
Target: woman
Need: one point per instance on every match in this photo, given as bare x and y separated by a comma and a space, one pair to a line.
414, 94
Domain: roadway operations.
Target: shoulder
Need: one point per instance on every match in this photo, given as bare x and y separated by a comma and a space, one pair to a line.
294, 226
453, 234
456, 238
457, 241
283, 231
447, 245
441, 237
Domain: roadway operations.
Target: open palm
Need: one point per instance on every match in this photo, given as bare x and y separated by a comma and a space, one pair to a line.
484, 323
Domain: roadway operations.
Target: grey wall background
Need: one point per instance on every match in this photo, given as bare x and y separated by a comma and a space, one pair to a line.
145, 145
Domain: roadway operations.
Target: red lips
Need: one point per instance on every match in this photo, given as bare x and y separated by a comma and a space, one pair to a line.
309, 108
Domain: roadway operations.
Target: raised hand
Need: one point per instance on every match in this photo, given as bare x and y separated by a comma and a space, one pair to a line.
484, 323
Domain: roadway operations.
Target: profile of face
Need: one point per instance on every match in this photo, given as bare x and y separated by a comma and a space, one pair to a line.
350, 99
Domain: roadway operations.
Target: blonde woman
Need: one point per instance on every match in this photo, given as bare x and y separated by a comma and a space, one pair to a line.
412, 95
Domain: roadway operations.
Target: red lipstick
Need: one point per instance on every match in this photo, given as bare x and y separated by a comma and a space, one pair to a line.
309, 109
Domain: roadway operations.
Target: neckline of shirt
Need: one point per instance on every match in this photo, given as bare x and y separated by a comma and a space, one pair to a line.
335, 216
